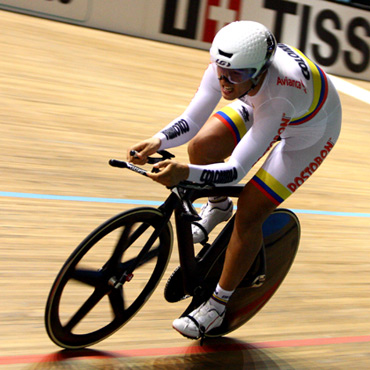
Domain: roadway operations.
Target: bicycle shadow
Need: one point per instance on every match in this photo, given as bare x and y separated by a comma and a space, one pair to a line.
222, 353
218, 353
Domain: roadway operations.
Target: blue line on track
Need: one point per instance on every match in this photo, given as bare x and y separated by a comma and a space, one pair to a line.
152, 203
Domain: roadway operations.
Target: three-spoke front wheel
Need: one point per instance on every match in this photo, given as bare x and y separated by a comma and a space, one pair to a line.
107, 279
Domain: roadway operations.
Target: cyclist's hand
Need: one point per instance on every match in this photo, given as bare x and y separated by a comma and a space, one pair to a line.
143, 150
170, 173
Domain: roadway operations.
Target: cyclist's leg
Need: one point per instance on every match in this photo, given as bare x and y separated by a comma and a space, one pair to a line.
246, 240
213, 144
220, 134
292, 161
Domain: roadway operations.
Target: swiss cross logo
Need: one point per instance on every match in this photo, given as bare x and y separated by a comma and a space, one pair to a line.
183, 17
218, 14
346, 52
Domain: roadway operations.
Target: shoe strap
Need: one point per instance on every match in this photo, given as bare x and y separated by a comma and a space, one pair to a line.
217, 205
201, 227
201, 329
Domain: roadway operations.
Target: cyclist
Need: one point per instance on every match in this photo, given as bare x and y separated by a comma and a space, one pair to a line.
282, 103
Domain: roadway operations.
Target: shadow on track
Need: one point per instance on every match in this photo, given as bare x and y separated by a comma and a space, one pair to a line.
218, 353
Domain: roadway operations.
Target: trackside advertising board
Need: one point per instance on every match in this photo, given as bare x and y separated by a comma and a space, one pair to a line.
336, 36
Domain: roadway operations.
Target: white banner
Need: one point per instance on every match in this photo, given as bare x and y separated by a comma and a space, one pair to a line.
335, 36
69, 10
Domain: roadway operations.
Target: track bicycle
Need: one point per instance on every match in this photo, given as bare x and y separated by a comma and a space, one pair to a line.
116, 268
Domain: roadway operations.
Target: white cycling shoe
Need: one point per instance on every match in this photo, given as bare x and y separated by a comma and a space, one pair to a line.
199, 322
211, 217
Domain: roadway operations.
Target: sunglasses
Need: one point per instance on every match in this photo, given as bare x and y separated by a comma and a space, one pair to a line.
235, 76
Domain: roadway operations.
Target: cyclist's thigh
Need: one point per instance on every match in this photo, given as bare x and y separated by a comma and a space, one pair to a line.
237, 117
221, 133
299, 154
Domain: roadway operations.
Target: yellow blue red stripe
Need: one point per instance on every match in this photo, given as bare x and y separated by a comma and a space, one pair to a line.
271, 187
219, 300
320, 85
235, 123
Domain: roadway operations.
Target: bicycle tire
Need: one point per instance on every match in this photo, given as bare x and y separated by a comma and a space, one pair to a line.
121, 239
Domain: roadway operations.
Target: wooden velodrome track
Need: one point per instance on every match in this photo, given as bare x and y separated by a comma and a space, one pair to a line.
71, 98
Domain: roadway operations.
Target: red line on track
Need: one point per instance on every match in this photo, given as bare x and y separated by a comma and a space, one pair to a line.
197, 349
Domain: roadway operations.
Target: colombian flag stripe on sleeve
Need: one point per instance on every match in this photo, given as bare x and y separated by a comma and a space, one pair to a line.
233, 121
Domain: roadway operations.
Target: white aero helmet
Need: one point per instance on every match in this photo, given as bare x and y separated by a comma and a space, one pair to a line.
244, 45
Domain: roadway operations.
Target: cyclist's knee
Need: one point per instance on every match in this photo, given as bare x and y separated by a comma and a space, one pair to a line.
253, 209
198, 151
208, 149
247, 224
213, 143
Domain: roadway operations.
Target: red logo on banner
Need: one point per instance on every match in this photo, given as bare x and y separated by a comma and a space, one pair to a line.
218, 14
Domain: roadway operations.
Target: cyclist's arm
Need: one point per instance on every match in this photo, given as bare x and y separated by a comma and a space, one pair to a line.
185, 127
270, 120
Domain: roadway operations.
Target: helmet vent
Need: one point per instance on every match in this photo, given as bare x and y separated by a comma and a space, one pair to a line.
227, 55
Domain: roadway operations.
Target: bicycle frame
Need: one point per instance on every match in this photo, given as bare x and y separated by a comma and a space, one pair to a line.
181, 201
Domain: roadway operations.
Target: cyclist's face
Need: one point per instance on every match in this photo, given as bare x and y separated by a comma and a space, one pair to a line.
232, 90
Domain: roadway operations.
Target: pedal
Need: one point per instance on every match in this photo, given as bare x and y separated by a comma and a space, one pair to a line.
259, 280
256, 275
